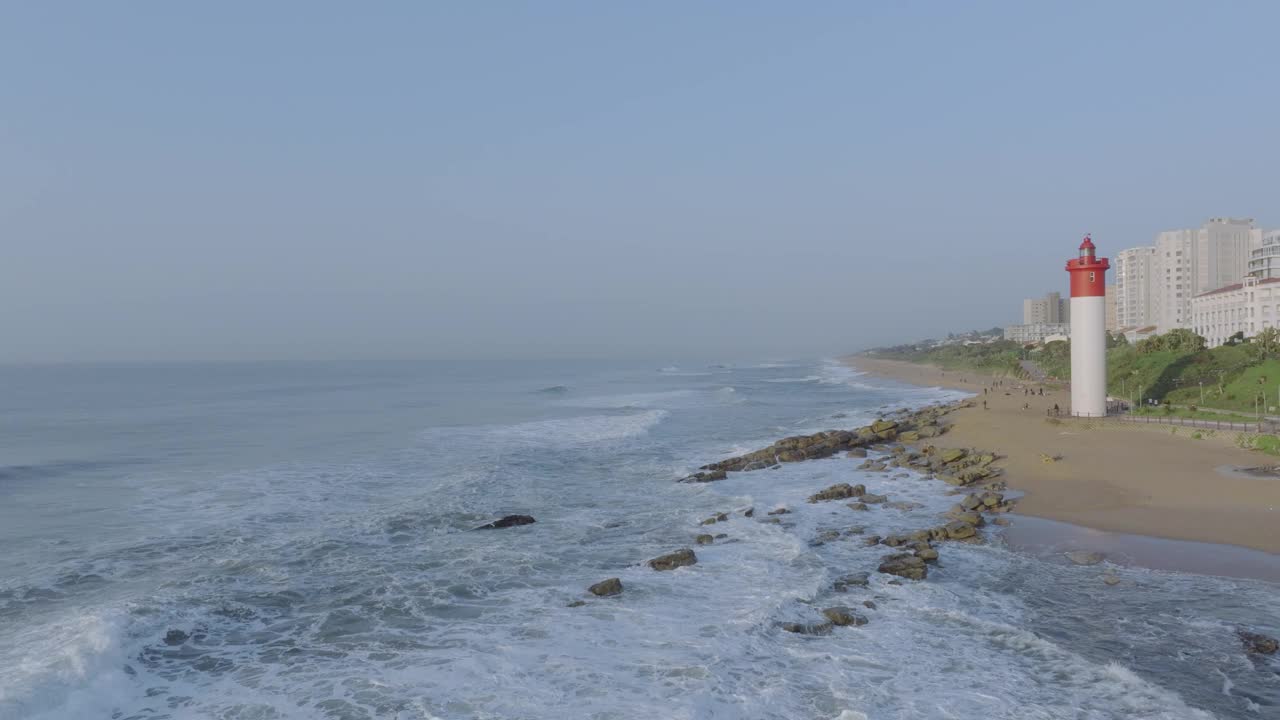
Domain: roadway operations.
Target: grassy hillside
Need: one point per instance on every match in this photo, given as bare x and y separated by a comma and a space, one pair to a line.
1172, 367
999, 358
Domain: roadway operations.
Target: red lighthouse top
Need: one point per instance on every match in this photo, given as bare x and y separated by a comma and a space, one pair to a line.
1088, 272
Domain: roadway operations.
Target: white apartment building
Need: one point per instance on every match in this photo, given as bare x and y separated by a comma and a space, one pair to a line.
1264, 261
1248, 307
1049, 309
1188, 263
1135, 287
1037, 332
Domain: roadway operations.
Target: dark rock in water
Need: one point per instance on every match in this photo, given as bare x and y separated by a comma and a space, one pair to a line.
873, 499
841, 616
856, 453
825, 537
1258, 644
508, 521
807, 628
904, 565
175, 637
605, 588
870, 540
577, 603
1085, 557
868, 605
839, 491
855, 580
704, 539
718, 517
671, 561
860, 506
721, 536
959, 530
749, 512
705, 476
779, 511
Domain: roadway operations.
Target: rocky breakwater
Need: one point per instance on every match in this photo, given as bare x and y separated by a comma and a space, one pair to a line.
908, 427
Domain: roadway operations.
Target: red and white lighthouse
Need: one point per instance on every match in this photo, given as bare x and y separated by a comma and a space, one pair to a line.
1088, 332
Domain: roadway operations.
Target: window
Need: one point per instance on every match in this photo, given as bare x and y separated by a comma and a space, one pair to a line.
1091, 276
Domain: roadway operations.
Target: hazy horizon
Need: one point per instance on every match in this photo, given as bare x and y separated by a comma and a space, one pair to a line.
529, 180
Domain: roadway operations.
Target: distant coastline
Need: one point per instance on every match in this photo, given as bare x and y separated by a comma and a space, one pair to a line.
1137, 480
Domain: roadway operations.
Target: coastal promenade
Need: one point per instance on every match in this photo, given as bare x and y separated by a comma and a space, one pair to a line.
1121, 477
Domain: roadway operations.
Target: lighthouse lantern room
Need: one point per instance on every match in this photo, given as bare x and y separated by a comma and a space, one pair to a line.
1088, 331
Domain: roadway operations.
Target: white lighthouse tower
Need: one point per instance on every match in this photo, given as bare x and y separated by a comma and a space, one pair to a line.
1088, 332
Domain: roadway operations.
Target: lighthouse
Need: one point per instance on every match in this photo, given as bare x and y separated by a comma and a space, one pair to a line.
1088, 332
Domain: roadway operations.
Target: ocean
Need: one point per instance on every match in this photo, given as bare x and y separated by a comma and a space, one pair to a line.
295, 540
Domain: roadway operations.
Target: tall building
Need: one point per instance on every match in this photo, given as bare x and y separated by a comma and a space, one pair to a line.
1175, 266
1135, 287
1264, 261
1113, 323
1048, 310
1246, 307
1224, 249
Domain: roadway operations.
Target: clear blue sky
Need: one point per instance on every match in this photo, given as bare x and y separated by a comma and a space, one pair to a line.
474, 179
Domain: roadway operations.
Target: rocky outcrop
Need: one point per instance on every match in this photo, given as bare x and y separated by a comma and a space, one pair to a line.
808, 628
872, 499
1257, 643
848, 581
671, 561
959, 530
508, 521
904, 565
704, 539
705, 476
779, 511
859, 506
840, 491
606, 588
841, 616
717, 518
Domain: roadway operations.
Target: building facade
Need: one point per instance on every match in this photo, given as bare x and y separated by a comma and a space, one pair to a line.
1028, 333
1224, 249
1135, 287
1264, 260
1176, 270
1113, 322
1050, 309
1247, 307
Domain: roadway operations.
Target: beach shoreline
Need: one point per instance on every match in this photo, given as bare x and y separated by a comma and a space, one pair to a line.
1133, 480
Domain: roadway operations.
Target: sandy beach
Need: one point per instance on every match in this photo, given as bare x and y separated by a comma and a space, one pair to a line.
1143, 480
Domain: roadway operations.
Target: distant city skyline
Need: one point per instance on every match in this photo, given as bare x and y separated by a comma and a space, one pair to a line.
525, 180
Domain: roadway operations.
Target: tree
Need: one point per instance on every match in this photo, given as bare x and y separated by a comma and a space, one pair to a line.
1266, 343
1116, 339
1181, 340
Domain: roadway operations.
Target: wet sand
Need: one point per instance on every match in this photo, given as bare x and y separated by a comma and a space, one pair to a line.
1134, 479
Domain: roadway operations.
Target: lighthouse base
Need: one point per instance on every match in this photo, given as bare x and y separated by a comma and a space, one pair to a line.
1088, 356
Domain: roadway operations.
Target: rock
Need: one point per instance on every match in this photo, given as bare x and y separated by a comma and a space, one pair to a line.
577, 603
873, 499
870, 540
772, 521
718, 517
927, 554
904, 565
868, 604
704, 539
705, 476
1111, 579
606, 588
749, 512
970, 502
839, 491
896, 540
880, 426
808, 628
876, 467
904, 505
860, 506
824, 537
855, 580
1085, 557
671, 561
841, 616
967, 516
958, 530
856, 453
779, 511
1002, 521
952, 455
1258, 644
909, 436
992, 499
721, 536
508, 521
175, 637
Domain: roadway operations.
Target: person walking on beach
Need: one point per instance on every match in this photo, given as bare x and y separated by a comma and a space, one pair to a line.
984, 404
